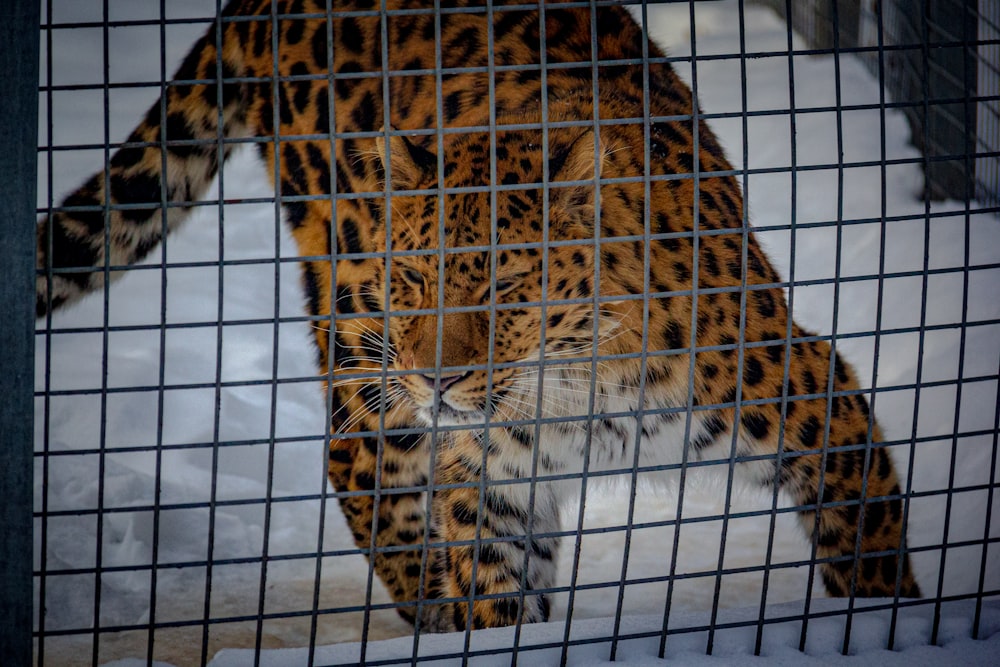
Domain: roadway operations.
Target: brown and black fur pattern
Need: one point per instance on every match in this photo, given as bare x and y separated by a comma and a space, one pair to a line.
318, 108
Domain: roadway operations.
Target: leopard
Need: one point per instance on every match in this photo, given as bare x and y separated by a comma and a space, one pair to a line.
527, 259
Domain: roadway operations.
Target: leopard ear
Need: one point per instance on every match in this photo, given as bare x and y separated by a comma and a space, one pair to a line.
410, 165
582, 160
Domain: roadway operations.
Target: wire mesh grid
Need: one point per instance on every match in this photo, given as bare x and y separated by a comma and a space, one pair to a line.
182, 445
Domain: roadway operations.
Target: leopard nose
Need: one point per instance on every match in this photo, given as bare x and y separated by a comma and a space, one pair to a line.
447, 379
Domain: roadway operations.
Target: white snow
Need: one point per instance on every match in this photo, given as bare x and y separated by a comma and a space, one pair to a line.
71, 486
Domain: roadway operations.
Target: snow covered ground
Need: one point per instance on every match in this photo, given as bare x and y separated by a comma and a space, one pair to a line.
70, 487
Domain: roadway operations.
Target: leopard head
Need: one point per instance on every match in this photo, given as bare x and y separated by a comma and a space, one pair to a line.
489, 289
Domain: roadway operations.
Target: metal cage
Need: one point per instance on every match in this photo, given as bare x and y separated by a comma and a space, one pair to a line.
180, 502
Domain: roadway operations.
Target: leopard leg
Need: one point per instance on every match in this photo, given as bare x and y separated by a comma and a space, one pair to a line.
396, 513
847, 508
845, 481
485, 529
116, 217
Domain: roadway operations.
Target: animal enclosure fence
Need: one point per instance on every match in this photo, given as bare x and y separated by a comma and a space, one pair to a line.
179, 445
956, 74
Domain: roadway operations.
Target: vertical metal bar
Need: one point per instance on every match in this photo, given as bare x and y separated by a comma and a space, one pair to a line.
987, 526
276, 326
384, 379
738, 400
884, 60
331, 352
433, 433
217, 393
18, 169
490, 353
695, 273
789, 331
161, 378
543, 307
105, 334
43, 545
925, 98
880, 73
594, 358
643, 355
692, 341
967, 149
793, 210
883, 192
866, 466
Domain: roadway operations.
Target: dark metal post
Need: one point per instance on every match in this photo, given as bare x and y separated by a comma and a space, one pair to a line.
951, 126
18, 174
813, 19
943, 71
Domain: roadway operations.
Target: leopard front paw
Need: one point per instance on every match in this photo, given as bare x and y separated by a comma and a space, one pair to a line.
437, 617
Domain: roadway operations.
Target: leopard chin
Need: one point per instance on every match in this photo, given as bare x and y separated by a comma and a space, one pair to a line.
443, 414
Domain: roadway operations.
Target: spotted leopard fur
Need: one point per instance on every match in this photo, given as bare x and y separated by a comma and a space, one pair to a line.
481, 359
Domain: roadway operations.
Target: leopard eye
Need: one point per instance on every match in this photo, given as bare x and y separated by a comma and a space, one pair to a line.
413, 276
501, 286
504, 285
